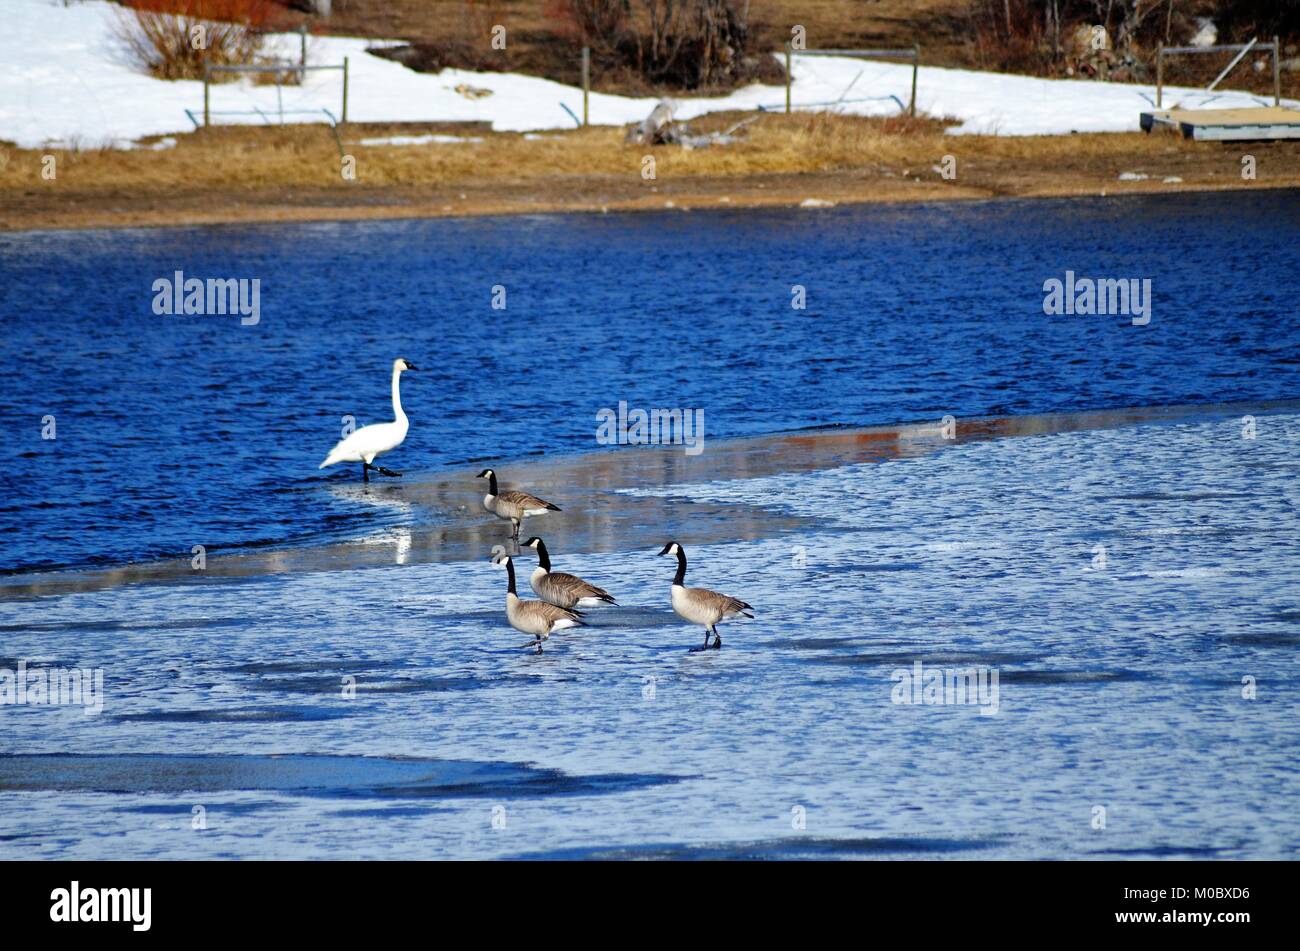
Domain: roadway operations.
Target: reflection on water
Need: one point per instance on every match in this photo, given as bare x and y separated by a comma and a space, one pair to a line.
609, 499
394, 507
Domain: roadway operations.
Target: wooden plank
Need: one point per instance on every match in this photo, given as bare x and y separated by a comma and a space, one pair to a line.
1262, 115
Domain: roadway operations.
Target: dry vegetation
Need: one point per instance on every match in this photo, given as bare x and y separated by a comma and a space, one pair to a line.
176, 39
1034, 36
243, 174
1019, 35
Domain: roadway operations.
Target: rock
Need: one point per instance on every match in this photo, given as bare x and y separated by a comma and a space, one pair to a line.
652, 129
473, 92
1206, 33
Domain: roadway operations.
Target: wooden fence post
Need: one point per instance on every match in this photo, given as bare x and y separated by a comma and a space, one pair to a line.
787, 77
1160, 73
586, 82
1277, 76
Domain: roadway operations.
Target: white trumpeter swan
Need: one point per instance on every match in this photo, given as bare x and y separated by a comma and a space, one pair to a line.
370, 441
700, 605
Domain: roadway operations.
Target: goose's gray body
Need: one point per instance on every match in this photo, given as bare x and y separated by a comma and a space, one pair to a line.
512, 505
559, 588
700, 605
536, 618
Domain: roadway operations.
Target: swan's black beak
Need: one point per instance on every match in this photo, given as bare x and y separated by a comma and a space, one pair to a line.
411, 366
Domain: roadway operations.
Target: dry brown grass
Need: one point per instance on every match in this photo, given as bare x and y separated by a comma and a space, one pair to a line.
258, 158
259, 173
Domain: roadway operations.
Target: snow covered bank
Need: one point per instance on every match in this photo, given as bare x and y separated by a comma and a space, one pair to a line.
63, 82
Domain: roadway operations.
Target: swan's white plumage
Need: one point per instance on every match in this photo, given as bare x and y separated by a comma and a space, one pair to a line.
368, 442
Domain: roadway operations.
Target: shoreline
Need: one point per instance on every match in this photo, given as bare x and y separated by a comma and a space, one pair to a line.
249, 175
829, 190
462, 532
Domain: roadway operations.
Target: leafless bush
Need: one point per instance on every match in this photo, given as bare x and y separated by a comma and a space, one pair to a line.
683, 43
173, 39
1050, 36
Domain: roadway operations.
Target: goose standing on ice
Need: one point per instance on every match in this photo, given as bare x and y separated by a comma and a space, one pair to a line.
511, 505
534, 617
564, 590
366, 443
700, 605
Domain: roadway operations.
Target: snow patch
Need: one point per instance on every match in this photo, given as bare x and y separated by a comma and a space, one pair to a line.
64, 81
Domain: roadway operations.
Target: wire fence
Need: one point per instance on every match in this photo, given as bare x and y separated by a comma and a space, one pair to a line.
278, 69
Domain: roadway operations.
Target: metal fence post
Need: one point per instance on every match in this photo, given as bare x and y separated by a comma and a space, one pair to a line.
916, 65
586, 82
345, 90
787, 77
205, 96
302, 52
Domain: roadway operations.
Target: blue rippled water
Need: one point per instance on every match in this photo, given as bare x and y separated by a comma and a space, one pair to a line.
174, 431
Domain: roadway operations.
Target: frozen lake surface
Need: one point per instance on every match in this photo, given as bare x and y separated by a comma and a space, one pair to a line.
1120, 686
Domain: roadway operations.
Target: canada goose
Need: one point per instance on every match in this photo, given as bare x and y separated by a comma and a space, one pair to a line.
566, 591
534, 617
364, 444
700, 605
512, 505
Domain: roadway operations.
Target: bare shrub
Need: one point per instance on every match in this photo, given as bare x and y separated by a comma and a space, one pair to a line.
1056, 36
173, 39
687, 44
599, 24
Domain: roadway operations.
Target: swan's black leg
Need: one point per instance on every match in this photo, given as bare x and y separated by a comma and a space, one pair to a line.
365, 471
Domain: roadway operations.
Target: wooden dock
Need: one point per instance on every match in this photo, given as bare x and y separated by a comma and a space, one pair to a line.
1227, 125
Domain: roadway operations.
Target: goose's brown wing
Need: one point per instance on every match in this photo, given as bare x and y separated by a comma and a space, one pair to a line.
523, 501
570, 589
723, 604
